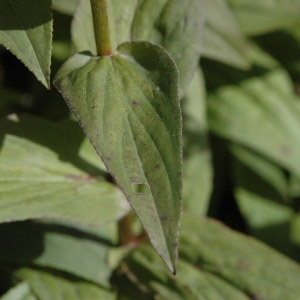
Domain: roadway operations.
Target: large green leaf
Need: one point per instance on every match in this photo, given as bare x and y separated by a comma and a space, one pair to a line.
160, 22
58, 247
257, 270
258, 109
128, 106
47, 286
260, 17
140, 276
50, 170
216, 263
26, 31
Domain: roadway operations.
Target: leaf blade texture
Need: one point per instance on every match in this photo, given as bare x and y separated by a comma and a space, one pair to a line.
128, 107
48, 170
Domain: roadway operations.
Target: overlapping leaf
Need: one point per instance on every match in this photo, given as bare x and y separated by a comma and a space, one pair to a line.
265, 109
52, 286
162, 22
26, 30
47, 170
216, 263
128, 106
59, 247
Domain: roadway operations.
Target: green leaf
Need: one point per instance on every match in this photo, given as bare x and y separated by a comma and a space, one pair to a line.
260, 17
257, 270
223, 40
128, 106
176, 25
197, 180
58, 247
65, 6
215, 263
26, 31
156, 21
50, 170
140, 276
21, 291
47, 286
258, 109
261, 190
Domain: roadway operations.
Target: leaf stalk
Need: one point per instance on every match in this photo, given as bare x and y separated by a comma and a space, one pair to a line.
101, 27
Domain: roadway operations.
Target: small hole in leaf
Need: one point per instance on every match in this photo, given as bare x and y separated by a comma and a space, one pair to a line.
140, 188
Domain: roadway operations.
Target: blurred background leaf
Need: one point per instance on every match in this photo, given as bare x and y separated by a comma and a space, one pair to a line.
50, 170
216, 263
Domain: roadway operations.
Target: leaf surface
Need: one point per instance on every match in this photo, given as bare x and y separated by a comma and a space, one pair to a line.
215, 263
65, 6
261, 17
223, 39
261, 190
176, 25
257, 109
59, 247
197, 179
47, 171
243, 262
47, 286
128, 106
26, 31
21, 291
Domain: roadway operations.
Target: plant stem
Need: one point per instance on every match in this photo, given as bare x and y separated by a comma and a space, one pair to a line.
101, 27
125, 229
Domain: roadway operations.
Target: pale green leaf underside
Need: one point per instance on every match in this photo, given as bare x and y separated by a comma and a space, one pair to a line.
21, 291
26, 31
42, 175
128, 106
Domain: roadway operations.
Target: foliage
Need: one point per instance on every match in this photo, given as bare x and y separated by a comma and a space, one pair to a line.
66, 229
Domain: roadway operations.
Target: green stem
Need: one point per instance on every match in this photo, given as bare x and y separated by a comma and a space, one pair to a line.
125, 229
101, 27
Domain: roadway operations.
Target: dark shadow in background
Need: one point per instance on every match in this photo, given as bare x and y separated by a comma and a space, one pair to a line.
276, 235
22, 15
